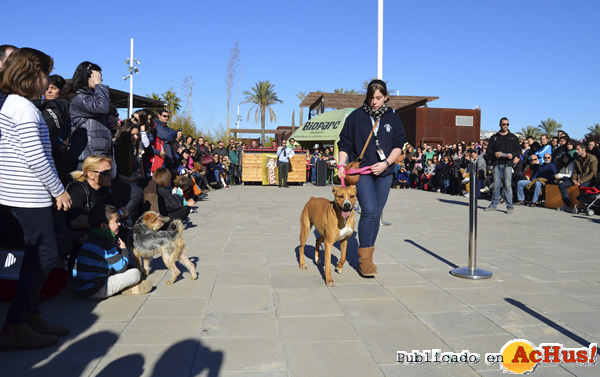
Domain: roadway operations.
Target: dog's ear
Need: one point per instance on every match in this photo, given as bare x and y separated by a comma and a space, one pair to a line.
148, 217
334, 190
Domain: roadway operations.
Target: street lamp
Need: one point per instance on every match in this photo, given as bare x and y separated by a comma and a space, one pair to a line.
129, 63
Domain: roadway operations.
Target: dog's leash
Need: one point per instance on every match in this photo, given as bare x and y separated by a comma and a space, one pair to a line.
365, 170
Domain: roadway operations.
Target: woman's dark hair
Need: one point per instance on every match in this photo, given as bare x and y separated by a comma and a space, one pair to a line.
150, 112
124, 153
373, 87
21, 71
57, 81
143, 115
534, 147
564, 160
80, 78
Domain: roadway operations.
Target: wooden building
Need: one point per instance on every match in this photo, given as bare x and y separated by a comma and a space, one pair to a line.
443, 126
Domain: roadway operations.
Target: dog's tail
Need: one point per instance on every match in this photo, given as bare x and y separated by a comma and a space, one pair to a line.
176, 227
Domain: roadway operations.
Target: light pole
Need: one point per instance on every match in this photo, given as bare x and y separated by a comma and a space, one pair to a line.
380, 40
129, 63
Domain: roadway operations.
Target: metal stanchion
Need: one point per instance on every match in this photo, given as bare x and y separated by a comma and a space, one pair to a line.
472, 272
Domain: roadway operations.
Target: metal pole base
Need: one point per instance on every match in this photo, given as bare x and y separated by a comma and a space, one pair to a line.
467, 273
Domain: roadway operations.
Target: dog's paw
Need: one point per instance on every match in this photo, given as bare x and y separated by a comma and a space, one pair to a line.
330, 283
316, 260
169, 282
194, 277
338, 270
303, 267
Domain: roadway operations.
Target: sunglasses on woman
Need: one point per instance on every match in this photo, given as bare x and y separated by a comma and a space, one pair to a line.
106, 173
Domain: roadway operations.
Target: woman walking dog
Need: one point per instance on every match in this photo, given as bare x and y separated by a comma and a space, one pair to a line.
383, 147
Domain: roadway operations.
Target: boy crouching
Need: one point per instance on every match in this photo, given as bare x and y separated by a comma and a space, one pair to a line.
102, 267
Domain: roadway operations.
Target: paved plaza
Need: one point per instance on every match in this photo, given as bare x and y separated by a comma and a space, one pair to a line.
253, 312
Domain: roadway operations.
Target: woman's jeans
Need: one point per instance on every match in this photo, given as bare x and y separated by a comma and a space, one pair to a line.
41, 255
372, 192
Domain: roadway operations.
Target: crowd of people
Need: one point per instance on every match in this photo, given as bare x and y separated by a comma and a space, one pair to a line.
68, 163
507, 167
74, 175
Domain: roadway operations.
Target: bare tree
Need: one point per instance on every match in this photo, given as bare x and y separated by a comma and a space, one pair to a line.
230, 74
187, 87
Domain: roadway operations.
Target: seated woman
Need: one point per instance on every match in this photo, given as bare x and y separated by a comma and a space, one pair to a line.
565, 167
89, 188
217, 173
169, 204
427, 175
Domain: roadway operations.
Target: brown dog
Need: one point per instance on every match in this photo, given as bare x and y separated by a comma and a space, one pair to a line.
149, 240
334, 220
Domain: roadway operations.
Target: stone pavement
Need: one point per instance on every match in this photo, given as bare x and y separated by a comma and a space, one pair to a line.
253, 312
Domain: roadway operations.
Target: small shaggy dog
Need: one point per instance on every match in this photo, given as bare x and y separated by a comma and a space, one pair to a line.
148, 240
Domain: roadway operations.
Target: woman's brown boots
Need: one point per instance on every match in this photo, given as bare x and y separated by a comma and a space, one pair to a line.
365, 258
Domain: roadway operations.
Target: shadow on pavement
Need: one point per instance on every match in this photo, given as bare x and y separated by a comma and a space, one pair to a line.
432, 254
548, 321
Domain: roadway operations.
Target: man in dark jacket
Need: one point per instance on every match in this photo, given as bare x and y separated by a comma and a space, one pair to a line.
503, 146
162, 136
586, 170
546, 171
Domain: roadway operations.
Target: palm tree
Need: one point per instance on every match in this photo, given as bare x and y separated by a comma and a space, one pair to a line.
531, 131
156, 97
595, 129
301, 96
345, 91
262, 96
173, 102
549, 126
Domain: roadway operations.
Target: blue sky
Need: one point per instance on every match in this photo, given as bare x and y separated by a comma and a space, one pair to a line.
527, 60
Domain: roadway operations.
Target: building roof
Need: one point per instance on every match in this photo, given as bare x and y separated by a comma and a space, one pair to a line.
120, 99
340, 101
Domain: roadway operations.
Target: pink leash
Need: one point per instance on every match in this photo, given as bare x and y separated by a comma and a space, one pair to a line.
365, 170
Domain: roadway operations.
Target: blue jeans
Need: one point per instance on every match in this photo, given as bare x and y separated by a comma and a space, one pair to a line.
446, 185
41, 255
502, 179
563, 186
372, 192
536, 191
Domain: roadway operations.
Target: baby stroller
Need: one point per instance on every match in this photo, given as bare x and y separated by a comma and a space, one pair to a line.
589, 200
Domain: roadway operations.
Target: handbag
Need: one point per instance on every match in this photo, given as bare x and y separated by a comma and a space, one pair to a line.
206, 160
351, 179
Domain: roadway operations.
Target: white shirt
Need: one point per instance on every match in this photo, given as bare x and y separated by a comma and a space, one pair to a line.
28, 177
284, 157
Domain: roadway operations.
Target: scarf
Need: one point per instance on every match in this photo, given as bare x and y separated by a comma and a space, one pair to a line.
375, 113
